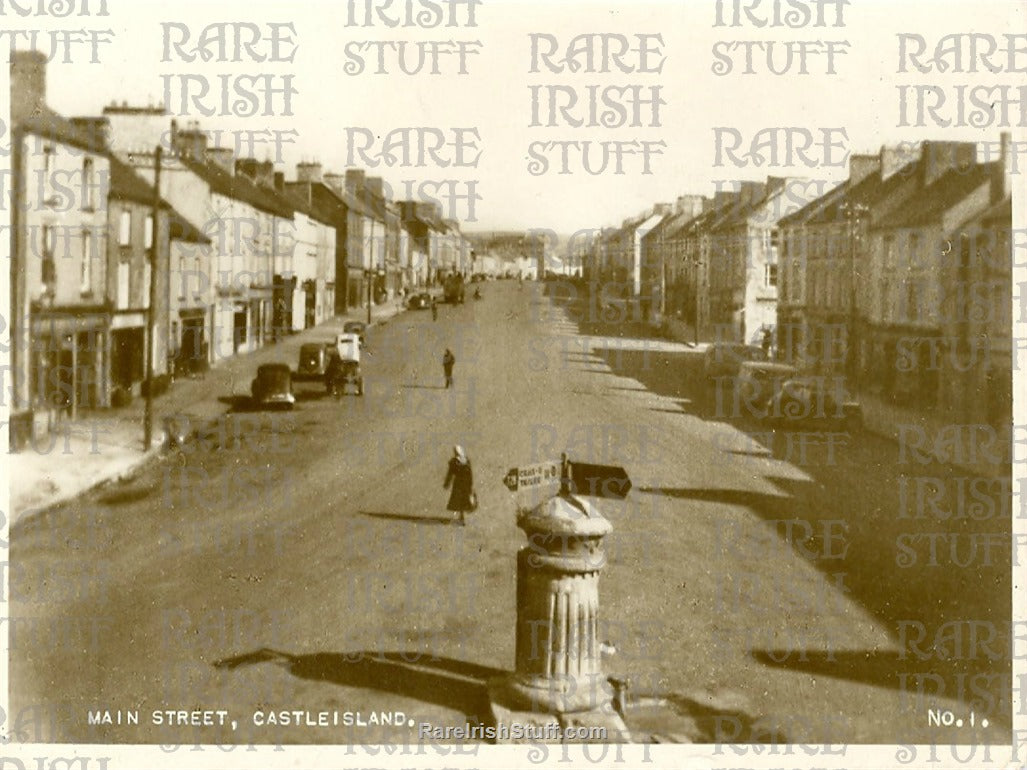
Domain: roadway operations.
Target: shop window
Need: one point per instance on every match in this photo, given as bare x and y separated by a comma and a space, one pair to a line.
148, 236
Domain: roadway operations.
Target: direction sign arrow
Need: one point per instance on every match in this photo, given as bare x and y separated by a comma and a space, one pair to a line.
586, 479
609, 481
535, 475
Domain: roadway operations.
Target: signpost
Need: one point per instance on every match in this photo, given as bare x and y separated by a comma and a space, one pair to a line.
586, 479
558, 679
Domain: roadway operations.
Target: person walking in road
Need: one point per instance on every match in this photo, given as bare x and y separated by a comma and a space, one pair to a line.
459, 476
434, 309
447, 366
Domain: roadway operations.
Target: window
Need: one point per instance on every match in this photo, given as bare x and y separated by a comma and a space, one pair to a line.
46, 186
123, 273
148, 236
770, 274
49, 277
125, 228
911, 308
88, 182
86, 277
146, 283
914, 250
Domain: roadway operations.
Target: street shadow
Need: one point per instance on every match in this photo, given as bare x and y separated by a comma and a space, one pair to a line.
237, 403
917, 542
408, 517
125, 496
779, 503
445, 682
425, 387
881, 668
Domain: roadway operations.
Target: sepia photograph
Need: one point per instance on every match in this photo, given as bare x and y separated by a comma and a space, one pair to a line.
502, 383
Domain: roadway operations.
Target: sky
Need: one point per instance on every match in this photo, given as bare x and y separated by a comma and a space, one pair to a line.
857, 107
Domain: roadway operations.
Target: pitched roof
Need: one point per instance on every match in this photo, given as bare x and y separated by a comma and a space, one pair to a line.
868, 191
929, 204
126, 184
240, 187
50, 125
683, 222
815, 206
659, 229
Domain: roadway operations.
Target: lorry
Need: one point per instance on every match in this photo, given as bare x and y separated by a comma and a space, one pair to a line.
453, 289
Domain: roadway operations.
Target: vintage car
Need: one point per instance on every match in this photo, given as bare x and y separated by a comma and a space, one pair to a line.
273, 386
814, 404
355, 327
724, 359
421, 301
313, 360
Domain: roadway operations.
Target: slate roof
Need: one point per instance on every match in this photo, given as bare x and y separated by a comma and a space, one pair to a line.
49, 125
929, 204
240, 187
126, 184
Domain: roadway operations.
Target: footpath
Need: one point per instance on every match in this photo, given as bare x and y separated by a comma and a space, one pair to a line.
107, 445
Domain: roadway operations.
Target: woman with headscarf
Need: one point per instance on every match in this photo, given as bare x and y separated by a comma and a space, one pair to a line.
461, 478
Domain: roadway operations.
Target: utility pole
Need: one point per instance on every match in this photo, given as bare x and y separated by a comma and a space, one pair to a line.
151, 309
854, 212
370, 282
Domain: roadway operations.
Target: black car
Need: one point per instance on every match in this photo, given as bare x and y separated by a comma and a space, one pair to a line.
273, 386
420, 301
313, 360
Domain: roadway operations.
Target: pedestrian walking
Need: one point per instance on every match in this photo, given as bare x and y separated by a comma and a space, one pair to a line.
434, 309
447, 366
462, 497
767, 342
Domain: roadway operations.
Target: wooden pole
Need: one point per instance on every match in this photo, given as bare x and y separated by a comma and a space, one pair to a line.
151, 314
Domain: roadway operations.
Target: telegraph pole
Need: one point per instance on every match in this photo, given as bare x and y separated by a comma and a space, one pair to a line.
151, 310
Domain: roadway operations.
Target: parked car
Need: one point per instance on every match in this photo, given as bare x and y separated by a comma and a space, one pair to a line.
273, 386
812, 404
724, 359
420, 301
313, 360
355, 327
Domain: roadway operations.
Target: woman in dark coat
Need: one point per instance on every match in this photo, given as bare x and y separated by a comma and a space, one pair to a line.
460, 476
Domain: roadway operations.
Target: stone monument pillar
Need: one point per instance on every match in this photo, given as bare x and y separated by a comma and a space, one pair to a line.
558, 676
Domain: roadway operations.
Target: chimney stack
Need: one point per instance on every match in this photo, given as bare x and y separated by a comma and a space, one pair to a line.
375, 186
894, 158
222, 157
308, 172
1001, 181
191, 142
941, 157
689, 205
354, 180
862, 166
261, 172
28, 85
